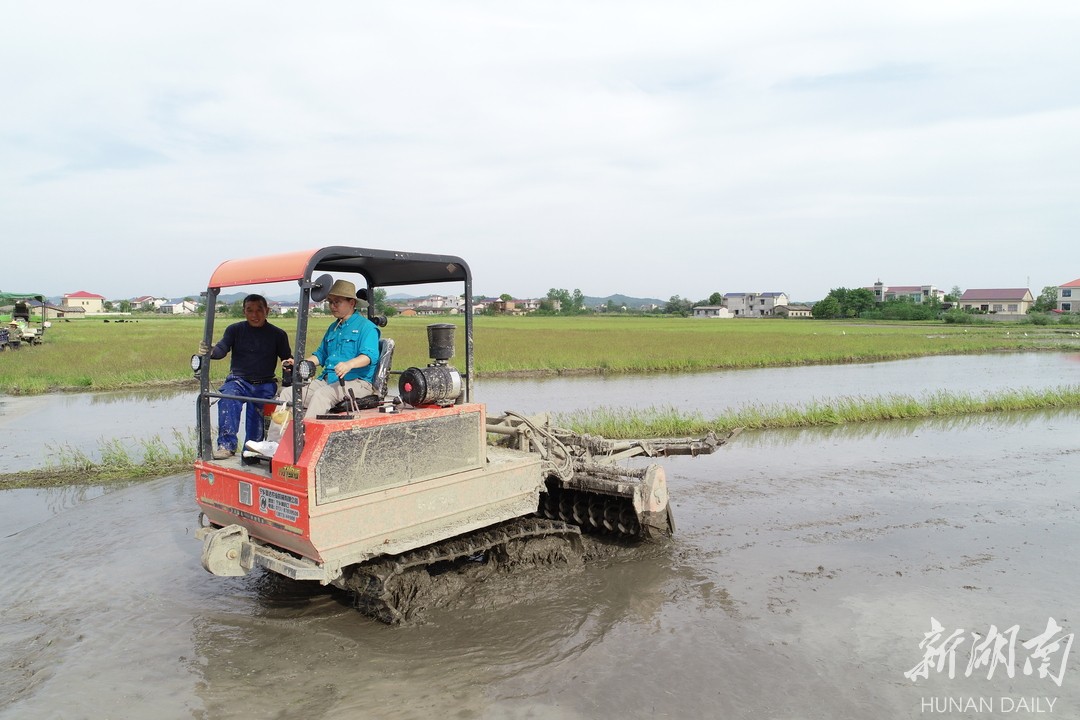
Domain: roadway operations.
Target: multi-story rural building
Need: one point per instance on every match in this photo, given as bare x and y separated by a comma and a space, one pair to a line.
86, 301
914, 293
1068, 295
754, 304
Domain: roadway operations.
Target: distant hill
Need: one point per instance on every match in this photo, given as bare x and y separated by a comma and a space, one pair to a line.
631, 303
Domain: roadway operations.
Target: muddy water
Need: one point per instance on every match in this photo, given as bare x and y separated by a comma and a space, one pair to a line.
805, 573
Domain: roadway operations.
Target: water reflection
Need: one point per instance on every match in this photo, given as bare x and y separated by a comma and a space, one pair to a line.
137, 396
39, 430
25, 507
717, 392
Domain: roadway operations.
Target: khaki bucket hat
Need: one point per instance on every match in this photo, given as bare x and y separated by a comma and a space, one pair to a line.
343, 288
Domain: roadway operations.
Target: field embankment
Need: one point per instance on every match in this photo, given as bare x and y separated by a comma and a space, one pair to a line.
656, 422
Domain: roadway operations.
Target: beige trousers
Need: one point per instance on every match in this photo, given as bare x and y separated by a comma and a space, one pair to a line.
318, 397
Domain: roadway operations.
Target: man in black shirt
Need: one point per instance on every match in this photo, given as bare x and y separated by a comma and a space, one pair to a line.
256, 346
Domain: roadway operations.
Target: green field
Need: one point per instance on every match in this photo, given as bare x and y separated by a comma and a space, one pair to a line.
151, 351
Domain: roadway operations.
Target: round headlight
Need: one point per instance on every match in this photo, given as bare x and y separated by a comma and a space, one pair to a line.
307, 370
196, 363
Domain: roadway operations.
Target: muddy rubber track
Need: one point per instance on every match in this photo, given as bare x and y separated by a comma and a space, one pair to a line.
378, 587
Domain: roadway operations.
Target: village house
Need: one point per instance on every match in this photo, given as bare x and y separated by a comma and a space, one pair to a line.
712, 311
281, 308
45, 310
89, 303
514, 306
148, 302
914, 293
528, 305
1066, 295
430, 310
183, 307
754, 304
437, 302
1009, 301
792, 311
480, 306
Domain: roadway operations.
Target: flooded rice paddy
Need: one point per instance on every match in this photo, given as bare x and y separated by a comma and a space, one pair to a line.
36, 429
804, 581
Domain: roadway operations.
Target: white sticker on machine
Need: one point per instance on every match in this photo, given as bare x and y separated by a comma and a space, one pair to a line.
283, 505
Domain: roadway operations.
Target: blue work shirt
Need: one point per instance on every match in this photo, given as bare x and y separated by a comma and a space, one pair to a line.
345, 340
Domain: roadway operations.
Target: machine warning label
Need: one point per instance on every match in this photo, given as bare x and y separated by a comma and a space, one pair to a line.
281, 504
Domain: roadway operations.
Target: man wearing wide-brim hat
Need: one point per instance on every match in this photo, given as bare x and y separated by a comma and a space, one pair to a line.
349, 350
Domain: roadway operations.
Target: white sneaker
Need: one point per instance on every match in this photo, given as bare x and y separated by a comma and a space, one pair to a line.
265, 447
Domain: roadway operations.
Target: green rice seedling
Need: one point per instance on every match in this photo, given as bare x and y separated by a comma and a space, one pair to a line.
624, 423
120, 460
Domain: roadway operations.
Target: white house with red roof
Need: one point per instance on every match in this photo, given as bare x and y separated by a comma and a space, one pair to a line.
86, 301
148, 302
1009, 301
1069, 296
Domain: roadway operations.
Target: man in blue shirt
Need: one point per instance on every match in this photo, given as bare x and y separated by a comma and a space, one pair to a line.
256, 346
349, 350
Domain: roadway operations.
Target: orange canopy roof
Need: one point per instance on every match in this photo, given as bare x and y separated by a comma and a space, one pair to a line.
265, 269
379, 267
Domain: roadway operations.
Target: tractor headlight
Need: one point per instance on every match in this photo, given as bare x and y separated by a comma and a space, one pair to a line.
196, 363
306, 370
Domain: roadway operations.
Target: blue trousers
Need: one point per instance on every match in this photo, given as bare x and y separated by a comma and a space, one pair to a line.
229, 411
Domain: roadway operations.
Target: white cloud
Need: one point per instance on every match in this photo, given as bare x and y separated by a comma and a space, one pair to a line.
643, 148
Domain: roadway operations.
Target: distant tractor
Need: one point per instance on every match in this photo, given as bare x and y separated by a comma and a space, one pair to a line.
7, 342
21, 329
363, 498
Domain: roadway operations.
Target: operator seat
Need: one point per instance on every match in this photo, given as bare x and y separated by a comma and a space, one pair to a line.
382, 368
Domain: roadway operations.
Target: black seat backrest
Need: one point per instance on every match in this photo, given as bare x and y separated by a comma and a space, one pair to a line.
382, 368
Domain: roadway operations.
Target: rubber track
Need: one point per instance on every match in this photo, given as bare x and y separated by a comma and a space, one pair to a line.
372, 582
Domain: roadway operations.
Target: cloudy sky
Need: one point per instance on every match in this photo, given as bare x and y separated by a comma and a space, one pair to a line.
645, 148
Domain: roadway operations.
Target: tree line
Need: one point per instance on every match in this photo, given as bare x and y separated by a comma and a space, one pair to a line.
861, 302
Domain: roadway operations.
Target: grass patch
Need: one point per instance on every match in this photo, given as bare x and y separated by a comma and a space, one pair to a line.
653, 422
120, 462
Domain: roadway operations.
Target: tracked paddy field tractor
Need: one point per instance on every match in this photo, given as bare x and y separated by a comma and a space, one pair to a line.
368, 499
